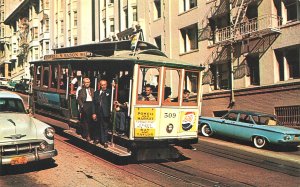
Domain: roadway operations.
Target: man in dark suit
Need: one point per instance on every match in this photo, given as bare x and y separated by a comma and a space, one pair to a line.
86, 108
102, 100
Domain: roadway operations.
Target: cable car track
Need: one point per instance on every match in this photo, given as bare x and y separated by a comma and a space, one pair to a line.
171, 172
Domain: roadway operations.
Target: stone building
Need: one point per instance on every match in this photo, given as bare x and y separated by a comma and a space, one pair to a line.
7, 54
250, 48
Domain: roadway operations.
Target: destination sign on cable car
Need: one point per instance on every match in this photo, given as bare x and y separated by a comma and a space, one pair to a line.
68, 55
144, 122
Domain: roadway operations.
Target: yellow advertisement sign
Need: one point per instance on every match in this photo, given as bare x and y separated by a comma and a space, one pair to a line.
188, 122
144, 122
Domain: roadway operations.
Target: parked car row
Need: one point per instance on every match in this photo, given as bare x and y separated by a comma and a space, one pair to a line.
259, 128
17, 85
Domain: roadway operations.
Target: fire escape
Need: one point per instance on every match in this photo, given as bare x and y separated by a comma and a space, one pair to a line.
230, 42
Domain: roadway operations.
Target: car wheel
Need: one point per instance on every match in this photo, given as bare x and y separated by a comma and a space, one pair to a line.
259, 142
206, 130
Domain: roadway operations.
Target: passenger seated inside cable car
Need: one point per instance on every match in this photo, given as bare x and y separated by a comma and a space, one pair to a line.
147, 95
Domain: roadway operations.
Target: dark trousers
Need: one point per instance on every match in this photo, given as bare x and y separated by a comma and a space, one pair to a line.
103, 123
121, 121
86, 119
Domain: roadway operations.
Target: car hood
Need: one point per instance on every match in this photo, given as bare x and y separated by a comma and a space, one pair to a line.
15, 126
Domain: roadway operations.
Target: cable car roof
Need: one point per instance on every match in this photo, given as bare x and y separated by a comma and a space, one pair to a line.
147, 54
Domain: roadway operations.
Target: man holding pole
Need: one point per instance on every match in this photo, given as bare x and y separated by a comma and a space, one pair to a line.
102, 100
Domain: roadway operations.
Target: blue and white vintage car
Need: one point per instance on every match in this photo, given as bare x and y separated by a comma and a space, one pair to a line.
22, 138
259, 128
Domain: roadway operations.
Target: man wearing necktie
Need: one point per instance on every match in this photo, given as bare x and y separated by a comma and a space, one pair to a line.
102, 100
86, 107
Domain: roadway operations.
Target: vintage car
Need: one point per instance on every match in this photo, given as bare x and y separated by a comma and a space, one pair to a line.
259, 128
12, 84
22, 86
23, 138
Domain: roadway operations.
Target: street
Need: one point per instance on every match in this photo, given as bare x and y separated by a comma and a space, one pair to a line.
216, 161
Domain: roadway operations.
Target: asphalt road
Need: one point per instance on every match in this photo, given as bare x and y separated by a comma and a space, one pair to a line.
216, 162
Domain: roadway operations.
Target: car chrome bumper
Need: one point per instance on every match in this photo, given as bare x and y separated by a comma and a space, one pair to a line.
5, 160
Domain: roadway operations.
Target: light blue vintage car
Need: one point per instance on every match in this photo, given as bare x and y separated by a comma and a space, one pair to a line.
259, 128
23, 138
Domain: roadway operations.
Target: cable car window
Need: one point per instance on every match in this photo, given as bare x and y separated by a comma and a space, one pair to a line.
171, 86
54, 76
190, 88
46, 71
38, 72
63, 77
148, 85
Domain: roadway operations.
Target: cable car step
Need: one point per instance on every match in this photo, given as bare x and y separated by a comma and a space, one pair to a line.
113, 148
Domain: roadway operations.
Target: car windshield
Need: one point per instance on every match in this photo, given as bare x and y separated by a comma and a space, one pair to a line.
11, 105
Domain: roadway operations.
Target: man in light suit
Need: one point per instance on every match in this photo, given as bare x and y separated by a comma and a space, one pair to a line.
86, 108
102, 101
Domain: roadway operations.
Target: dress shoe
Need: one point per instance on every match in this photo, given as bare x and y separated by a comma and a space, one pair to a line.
105, 145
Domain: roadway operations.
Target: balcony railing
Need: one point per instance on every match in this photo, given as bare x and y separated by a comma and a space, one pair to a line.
267, 22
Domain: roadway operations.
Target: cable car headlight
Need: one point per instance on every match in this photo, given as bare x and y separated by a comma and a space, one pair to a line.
170, 128
49, 133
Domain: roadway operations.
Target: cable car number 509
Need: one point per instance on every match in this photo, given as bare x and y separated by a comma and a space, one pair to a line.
170, 115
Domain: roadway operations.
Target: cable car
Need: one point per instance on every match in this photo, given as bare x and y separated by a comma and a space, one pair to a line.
141, 126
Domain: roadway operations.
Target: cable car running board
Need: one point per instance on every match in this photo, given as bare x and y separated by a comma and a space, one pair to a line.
114, 148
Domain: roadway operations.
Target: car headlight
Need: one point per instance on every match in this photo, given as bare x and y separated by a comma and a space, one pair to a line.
287, 137
49, 133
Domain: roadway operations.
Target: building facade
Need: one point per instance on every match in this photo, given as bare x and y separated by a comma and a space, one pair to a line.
5, 42
250, 48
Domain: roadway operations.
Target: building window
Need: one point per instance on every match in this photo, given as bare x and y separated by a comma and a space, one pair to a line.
292, 58
126, 17
75, 18
288, 115
187, 5
47, 25
34, 33
158, 42
112, 25
62, 27
41, 48
291, 10
36, 53
104, 28
189, 39
2, 16
134, 11
157, 9
47, 47
253, 64
75, 40
220, 76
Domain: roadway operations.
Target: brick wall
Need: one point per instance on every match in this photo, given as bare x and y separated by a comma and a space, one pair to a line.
262, 99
